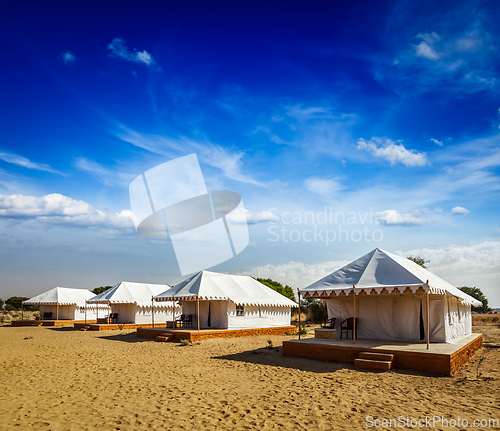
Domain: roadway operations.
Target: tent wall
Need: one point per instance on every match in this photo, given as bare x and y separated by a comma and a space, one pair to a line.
223, 315
396, 317
258, 317
457, 319
161, 315
126, 312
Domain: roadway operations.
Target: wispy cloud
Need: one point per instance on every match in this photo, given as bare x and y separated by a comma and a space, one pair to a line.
26, 163
229, 162
440, 143
68, 57
449, 60
322, 186
392, 151
104, 174
118, 48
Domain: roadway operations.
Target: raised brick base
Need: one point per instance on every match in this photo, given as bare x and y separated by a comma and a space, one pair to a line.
440, 359
111, 326
47, 322
194, 335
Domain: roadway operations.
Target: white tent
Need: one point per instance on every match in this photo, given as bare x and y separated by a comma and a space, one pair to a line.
133, 303
391, 292
65, 303
230, 301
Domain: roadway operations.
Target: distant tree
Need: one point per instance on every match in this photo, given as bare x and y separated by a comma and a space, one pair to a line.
15, 302
1, 304
278, 287
100, 289
476, 293
418, 260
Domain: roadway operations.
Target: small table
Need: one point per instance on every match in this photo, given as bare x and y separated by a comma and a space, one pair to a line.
324, 333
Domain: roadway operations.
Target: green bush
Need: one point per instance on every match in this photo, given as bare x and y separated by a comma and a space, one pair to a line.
302, 330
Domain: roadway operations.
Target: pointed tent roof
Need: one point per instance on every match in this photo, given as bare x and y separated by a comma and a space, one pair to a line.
240, 289
129, 293
380, 269
62, 296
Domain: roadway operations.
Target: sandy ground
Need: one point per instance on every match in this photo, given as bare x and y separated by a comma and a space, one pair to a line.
62, 379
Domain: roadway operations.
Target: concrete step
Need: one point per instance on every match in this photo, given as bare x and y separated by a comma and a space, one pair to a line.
376, 356
372, 364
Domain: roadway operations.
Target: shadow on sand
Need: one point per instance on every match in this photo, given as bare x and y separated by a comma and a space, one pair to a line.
274, 358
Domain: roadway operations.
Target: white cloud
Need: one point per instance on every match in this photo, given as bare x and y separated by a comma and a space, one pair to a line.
25, 163
395, 218
440, 143
244, 216
392, 151
466, 265
322, 186
68, 57
426, 51
296, 274
460, 211
118, 49
57, 209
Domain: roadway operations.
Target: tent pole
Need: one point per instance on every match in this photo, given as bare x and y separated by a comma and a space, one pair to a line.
40, 310
427, 311
152, 312
298, 295
57, 311
354, 322
198, 310
85, 311
173, 312
22, 311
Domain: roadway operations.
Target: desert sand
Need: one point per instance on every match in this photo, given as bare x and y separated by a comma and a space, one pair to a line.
62, 379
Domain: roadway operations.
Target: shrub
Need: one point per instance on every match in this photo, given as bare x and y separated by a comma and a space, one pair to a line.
302, 330
185, 342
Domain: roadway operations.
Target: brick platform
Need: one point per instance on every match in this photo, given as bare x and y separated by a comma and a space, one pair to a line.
110, 326
203, 334
441, 358
47, 322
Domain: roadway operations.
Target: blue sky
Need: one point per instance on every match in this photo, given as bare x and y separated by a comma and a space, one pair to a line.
385, 112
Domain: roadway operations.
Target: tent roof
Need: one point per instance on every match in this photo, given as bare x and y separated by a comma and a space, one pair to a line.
62, 296
129, 293
380, 269
240, 289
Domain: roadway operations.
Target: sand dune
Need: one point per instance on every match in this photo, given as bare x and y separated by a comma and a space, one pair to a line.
62, 379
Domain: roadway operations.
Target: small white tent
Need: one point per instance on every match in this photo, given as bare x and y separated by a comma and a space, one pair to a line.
132, 302
390, 293
65, 303
230, 301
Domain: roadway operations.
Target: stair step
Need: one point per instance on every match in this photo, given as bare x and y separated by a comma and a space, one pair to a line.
372, 364
376, 356
167, 337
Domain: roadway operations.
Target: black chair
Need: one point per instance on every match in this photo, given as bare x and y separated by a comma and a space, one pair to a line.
188, 321
348, 325
47, 315
180, 320
113, 318
330, 323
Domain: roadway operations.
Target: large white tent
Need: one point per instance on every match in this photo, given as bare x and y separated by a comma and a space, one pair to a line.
391, 294
65, 303
230, 301
133, 303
